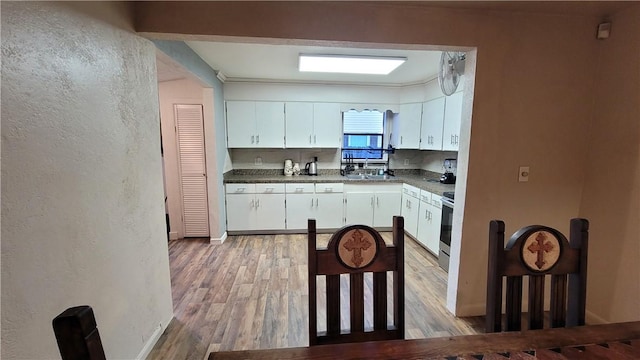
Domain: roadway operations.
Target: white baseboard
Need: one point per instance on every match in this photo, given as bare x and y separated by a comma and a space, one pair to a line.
151, 342
173, 235
218, 241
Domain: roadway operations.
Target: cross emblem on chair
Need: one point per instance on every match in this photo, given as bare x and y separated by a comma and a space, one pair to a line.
540, 247
356, 244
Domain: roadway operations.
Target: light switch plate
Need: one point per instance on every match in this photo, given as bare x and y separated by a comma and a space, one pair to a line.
258, 161
406, 161
523, 174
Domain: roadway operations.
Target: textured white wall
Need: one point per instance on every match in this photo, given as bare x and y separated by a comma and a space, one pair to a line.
82, 197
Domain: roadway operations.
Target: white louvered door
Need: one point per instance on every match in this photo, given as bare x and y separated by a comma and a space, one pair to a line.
193, 177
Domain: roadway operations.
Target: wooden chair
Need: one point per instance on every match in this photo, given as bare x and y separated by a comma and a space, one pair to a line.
77, 334
536, 251
355, 250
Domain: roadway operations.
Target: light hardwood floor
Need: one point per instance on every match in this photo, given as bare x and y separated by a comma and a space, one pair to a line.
251, 293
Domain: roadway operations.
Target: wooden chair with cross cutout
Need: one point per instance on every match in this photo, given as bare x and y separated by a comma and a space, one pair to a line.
537, 252
356, 250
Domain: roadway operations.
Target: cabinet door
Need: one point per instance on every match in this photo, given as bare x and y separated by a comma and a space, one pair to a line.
299, 125
270, 212
433, 240
406, 126
424, 227
409, 211
452, 114
300, 208
269, 124
327, 125
359, 208
432, 124
241, 212
386, 205
329, 210
241, 124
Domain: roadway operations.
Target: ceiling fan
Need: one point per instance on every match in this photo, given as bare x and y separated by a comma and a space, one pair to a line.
451, 69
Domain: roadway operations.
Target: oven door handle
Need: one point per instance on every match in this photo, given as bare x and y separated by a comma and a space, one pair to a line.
447, 202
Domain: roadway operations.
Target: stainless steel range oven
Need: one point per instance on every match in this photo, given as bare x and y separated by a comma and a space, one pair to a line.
445, 229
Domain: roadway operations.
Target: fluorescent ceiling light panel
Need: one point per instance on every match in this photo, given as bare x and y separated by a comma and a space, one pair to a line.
347, 64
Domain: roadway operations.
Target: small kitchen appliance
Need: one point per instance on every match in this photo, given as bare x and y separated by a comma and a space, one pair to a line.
449, 176
312, 167
288, 167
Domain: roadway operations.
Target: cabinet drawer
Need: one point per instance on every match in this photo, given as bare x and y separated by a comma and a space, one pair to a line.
436, 201
425, 196
329, 188
410, 190
299, 188
269, 188
240, 188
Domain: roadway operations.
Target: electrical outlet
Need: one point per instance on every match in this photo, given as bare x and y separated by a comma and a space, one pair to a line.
258, 161
523, 174
406, 161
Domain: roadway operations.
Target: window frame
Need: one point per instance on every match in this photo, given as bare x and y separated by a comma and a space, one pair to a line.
384, 140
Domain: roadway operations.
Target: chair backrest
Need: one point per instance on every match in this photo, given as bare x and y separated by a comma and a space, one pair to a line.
77, 334
356, 250
537, 251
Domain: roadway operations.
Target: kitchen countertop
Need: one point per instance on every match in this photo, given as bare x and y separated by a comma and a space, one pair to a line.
426, 181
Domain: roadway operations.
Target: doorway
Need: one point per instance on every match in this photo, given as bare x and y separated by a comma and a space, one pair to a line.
184, 113
192, 169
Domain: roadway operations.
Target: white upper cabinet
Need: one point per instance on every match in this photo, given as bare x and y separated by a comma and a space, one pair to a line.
327, 125
299, 124
270, 124
255, 124
406, 127
241, 124
313, 125
452, 120
432, 124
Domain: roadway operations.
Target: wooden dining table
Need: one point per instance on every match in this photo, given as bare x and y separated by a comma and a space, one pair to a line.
618, 341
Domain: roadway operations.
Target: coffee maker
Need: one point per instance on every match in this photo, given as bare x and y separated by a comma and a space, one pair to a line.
449, 176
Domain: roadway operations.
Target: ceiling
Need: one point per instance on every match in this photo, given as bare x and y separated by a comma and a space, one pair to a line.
269, 62
279, 63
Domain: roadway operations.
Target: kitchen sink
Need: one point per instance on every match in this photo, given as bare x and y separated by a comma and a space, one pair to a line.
368, 177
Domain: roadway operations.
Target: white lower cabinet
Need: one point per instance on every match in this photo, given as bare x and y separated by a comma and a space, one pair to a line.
373, 205
410, 209
429, 221
358, 208
329, 211
300, 203
240, 214
270, 212
255, 207
323, 202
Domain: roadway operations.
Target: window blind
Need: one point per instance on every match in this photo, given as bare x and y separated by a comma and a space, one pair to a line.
363, 122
